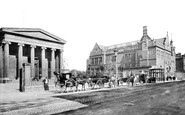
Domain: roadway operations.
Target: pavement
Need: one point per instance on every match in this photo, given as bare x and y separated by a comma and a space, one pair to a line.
14, 102
35, 100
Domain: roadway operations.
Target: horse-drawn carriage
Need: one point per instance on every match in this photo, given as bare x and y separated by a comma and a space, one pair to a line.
98, 81
67, 79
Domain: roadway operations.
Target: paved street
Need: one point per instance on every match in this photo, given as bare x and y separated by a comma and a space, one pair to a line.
148, 99
157, 99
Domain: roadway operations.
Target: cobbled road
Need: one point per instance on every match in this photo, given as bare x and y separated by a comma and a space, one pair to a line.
153, 99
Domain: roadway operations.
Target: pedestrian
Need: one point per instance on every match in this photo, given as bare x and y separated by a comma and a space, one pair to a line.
46, 84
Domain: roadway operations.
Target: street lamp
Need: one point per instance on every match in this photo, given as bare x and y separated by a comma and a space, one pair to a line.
116, 53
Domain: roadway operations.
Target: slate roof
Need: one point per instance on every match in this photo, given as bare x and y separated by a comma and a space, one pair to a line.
122, 45
159, 42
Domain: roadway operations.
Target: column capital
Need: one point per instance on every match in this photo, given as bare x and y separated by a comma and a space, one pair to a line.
61, 50
43, 48
53, 49
6, 42
20, 44
33, 46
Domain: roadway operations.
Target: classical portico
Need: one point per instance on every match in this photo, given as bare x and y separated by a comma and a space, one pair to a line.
43, 50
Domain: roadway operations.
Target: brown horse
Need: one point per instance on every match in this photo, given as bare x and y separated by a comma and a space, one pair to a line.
81, 82
128, 80
71, 82
59, 80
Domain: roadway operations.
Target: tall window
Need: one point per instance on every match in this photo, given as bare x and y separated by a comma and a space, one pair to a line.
100, 60
113, 58
96, 61
92, 61
129, 57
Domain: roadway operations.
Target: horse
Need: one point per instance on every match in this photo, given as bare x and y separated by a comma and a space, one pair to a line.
122, 80
142, 78
101, 81
59, 80
63, 82
128, 79
96, 81
131, 80
81, 82
169, 78
92, 82
71, 82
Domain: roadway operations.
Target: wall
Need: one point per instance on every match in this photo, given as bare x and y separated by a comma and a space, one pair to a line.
13, 66
179, 64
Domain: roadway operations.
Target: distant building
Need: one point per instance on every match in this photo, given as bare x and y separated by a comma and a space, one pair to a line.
137, 56
41, 49
180, 66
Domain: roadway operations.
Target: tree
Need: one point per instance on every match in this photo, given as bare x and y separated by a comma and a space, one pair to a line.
78, 74
108, 69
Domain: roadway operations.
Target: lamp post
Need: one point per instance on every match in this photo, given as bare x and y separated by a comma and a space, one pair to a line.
116, 53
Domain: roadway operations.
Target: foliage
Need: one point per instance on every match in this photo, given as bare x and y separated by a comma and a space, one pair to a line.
78, 74
107, 69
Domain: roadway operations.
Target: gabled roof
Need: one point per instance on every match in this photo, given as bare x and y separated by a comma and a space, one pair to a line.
160, 41
103, 48
98, 49
33, 33
145, 37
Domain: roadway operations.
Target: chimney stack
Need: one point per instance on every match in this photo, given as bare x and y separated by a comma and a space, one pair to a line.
144, 30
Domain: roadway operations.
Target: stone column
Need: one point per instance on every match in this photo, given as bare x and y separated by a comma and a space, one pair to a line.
116, 54
6, 61
1, 62
20, 54
32, 61
52, 62
57, 62
43, 61
104, 58
61, 60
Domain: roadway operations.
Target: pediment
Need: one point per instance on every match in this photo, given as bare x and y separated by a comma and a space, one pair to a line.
34, 33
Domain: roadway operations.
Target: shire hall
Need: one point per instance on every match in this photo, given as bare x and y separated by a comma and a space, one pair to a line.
40, 49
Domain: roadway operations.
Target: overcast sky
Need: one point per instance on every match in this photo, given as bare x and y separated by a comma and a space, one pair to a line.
82, 23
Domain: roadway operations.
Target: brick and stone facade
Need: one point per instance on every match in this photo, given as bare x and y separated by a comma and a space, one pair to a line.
43, 50
180, 66
136, 56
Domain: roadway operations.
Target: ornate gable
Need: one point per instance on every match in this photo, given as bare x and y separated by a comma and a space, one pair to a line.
96, 50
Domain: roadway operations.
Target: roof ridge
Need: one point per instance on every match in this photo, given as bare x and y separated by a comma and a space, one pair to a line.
123, 44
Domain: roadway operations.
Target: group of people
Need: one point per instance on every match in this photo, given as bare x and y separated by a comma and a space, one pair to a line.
70, 80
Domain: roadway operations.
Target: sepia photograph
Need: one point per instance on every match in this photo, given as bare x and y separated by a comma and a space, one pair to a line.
92, 57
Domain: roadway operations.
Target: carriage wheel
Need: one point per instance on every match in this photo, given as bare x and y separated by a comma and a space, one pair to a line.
63, 88
60, 88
